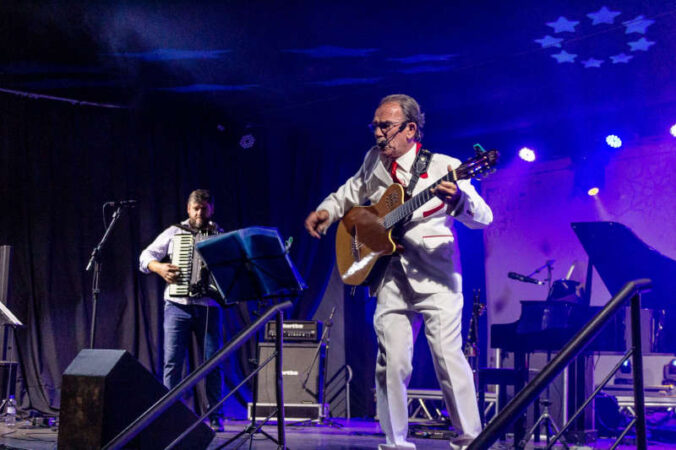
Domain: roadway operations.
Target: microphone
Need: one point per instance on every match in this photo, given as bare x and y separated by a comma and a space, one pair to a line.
122, 204
329, 321
213, 227
385, 142
524, 278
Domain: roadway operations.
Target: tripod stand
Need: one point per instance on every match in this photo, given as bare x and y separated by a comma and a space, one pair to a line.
545, 420
253, 427
323, 344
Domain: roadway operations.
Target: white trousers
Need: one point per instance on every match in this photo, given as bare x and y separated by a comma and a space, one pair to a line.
399, 314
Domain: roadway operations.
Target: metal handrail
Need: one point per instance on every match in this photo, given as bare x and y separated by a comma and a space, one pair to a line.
525, 397
191, 380
344, 387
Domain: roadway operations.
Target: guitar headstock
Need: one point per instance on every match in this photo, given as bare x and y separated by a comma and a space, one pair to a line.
483, 163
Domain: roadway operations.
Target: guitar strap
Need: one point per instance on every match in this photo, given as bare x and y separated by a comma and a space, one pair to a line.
420, 165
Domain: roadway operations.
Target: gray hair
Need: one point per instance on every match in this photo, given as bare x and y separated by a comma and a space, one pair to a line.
411, 110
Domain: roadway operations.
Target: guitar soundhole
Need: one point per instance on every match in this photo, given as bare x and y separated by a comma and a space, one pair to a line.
391, 201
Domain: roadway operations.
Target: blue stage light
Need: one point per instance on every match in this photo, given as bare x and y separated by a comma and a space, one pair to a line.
672, 130
593, 191
614, 141
527, 154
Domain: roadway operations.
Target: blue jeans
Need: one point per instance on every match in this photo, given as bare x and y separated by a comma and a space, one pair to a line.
180, 321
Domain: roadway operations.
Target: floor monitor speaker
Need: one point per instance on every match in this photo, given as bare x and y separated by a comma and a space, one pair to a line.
103, 391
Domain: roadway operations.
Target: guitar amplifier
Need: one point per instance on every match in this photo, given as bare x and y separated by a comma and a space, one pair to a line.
295, 331
303, 378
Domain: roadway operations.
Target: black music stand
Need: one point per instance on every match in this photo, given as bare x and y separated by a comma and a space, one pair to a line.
10, 323
251, 264
254, 264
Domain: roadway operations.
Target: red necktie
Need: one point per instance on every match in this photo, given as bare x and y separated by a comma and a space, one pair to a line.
393, 172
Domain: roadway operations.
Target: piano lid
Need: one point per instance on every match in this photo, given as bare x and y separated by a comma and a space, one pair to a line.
620, 256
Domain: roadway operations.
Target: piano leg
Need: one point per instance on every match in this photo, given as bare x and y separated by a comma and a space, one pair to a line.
520, 362
580, 384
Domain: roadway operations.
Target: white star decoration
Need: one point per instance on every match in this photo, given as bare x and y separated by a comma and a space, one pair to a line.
637, 25
603, 15
564, 57
622, 58
563, 24
549, 41
642, 44
592, 62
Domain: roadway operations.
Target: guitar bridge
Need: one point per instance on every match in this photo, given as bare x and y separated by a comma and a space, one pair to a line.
355, 246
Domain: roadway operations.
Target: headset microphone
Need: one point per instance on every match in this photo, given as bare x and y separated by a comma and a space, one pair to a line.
385, 142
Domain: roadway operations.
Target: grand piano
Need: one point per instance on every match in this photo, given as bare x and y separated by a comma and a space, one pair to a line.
619, 256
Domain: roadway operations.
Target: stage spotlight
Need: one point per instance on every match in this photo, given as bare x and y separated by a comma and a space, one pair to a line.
623, 375
672, 130
527, 154
590, 173
669, 373
247, 141
613, 141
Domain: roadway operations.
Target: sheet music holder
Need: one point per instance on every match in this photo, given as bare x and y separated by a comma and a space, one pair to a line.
8, 318
251, 264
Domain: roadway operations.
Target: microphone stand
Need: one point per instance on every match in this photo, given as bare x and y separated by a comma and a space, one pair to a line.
548, 265
321, 386
545, 418
95, 264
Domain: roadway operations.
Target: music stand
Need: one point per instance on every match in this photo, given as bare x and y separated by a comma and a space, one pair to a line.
251, 264
10, 322
254, 264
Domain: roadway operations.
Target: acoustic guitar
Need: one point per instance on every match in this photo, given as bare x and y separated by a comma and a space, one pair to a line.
364, 236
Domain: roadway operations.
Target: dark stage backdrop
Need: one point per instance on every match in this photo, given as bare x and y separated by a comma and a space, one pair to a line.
60, 162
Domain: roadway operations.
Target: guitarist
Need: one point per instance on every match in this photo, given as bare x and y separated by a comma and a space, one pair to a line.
422, 281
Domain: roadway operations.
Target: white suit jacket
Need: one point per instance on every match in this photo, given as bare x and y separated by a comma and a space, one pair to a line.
428, 256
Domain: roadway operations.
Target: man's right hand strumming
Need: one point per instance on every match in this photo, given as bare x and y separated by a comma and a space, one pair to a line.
167, 271
317, 222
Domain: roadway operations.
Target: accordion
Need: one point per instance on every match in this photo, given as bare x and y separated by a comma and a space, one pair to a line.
194, 278
183, 257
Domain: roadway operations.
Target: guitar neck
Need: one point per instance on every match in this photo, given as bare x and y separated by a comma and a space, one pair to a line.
469, 169
401, 212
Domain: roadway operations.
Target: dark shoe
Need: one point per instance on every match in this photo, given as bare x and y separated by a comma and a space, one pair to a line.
216, 424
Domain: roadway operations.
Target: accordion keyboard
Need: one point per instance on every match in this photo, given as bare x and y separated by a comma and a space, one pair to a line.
182, 255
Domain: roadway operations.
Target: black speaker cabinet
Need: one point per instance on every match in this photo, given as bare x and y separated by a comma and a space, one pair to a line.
297, 363
103, 391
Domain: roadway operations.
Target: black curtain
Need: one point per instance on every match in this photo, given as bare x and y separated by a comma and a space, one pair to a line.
62, 161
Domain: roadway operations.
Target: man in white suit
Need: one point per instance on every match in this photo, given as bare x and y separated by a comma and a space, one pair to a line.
421, 283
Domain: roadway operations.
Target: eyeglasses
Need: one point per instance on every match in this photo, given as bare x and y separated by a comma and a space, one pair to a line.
383, 126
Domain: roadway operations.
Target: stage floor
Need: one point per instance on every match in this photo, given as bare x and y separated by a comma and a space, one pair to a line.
353, 434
